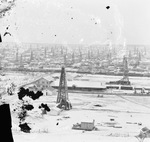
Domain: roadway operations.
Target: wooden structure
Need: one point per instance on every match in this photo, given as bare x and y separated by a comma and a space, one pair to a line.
62, 97
41, 83
125, 79
87, 126
144, 133
75, 85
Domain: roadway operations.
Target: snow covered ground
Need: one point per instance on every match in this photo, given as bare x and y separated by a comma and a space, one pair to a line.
135, 81
128, 112
128, 115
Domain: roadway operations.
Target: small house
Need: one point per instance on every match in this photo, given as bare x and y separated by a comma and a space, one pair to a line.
89, 126
41, 84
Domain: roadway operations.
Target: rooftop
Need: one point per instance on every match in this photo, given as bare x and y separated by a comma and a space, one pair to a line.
85, 84
49, 78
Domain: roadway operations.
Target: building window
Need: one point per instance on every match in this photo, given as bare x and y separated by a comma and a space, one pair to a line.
43, 82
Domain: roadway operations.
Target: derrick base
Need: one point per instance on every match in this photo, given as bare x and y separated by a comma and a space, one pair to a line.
64, 104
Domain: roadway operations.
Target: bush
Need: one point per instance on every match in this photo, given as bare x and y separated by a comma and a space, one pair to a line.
25, 92
28, 107
25, 128
45, 106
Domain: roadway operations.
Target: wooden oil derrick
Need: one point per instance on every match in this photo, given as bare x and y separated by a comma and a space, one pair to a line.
109, 56
80, 55
73, 58
89, 55
65, 60
21, 61
125, 79
62, 97
31, 55
61, 50
129, 55
45, 52
125, 66
98, 54
53, 51
17, 55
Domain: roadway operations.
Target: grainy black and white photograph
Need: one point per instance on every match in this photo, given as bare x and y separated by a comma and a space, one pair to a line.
75, 70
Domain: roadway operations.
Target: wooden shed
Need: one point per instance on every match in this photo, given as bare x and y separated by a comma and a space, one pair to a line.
87, 126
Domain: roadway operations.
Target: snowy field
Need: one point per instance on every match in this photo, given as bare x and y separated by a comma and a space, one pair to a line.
135, 81
102, 79
129, 114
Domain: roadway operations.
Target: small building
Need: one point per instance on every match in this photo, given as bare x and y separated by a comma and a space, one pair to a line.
144, 133
81, 85
41, 84
87, 126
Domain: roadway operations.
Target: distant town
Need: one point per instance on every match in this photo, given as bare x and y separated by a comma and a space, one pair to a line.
87, 59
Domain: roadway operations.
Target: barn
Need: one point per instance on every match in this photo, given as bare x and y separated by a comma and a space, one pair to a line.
41, 84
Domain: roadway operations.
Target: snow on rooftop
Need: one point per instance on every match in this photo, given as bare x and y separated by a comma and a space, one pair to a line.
49, 78
86, 84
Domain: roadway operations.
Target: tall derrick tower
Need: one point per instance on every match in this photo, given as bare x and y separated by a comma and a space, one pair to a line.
31, 56
80, 55
73, 58
65, 60
17, 54
62, 97
45, 52
21, 62
125, 79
